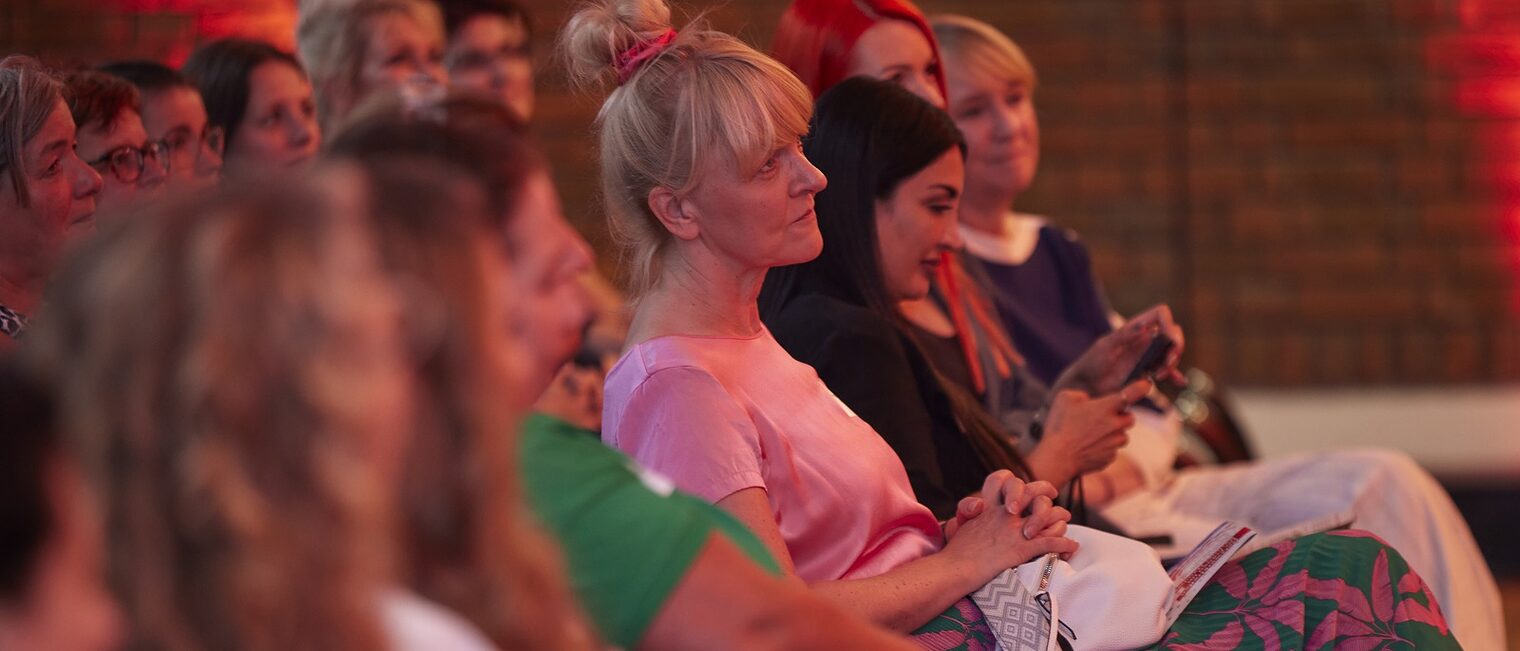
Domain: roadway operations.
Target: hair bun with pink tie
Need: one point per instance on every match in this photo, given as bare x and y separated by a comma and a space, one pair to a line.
628, 62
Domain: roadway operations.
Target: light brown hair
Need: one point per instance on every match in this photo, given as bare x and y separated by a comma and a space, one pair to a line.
469, 540
205, 356
97, 99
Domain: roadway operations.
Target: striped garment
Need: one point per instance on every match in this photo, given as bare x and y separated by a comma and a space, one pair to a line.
12, 323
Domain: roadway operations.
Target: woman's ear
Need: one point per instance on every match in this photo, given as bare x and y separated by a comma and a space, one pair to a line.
676, 214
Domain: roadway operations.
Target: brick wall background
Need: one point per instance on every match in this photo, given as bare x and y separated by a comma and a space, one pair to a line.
1328, 191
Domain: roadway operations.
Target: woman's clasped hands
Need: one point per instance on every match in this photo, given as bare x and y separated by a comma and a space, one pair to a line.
1010, 523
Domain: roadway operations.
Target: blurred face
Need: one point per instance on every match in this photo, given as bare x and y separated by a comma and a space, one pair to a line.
177, 117
896, 51
279, 128
400, 53
514, 355
382, 370
490, 54
62, 189
68, 607
916, 225
1002, 133
548, 257
761, 218
130, 164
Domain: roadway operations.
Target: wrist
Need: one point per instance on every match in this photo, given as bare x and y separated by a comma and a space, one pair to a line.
959, 561
1045, 463
1066, 380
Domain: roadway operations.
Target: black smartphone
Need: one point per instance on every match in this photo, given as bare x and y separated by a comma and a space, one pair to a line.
1150, 360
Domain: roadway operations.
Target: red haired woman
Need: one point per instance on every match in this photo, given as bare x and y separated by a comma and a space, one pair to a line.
827, 41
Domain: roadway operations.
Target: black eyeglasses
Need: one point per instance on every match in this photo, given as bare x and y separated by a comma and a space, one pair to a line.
126, 162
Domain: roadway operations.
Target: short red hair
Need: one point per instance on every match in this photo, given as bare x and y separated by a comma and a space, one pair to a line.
815, 37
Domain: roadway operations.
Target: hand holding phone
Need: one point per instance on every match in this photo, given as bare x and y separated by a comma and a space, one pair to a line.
1150, 360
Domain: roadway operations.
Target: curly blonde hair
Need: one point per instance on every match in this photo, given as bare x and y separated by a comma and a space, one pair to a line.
206, 354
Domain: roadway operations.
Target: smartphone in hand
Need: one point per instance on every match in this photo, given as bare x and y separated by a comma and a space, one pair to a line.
1150, 360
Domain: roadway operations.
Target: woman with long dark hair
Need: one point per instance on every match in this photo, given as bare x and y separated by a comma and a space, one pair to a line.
896, 170
845, 307
841, 308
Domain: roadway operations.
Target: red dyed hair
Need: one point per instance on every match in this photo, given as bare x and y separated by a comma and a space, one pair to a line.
815, 37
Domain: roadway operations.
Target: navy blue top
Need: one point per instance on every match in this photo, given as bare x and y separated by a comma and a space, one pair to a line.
1050, 304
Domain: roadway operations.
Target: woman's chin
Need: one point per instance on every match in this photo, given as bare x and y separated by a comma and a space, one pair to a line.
805, 251
913, 290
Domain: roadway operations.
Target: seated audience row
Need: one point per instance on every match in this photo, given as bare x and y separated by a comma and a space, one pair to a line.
706, 396
1046, 297
350, 411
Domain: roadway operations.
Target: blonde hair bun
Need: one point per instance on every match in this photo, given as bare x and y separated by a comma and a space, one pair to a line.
602, 29
705, 100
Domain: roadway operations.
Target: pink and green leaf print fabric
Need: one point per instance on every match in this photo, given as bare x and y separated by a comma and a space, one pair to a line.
1341, 591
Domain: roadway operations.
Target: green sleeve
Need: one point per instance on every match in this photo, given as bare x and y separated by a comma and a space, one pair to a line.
627, 541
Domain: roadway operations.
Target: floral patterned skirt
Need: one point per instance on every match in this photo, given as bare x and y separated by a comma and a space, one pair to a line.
1342, 590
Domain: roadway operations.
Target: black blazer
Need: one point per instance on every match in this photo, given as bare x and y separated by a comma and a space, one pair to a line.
883, 377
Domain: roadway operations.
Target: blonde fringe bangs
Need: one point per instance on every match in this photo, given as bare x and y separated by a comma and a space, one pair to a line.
982, 51
708, 100
743, 108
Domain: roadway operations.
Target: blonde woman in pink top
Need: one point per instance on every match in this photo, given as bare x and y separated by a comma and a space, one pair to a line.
707, 188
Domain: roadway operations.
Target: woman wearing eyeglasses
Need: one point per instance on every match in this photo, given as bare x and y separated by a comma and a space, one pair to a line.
173, 114
112, 139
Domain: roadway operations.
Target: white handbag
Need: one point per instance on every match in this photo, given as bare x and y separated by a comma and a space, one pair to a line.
1112, 594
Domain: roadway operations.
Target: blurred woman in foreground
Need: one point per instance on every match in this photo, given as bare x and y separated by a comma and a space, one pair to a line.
243, 430
52, 588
